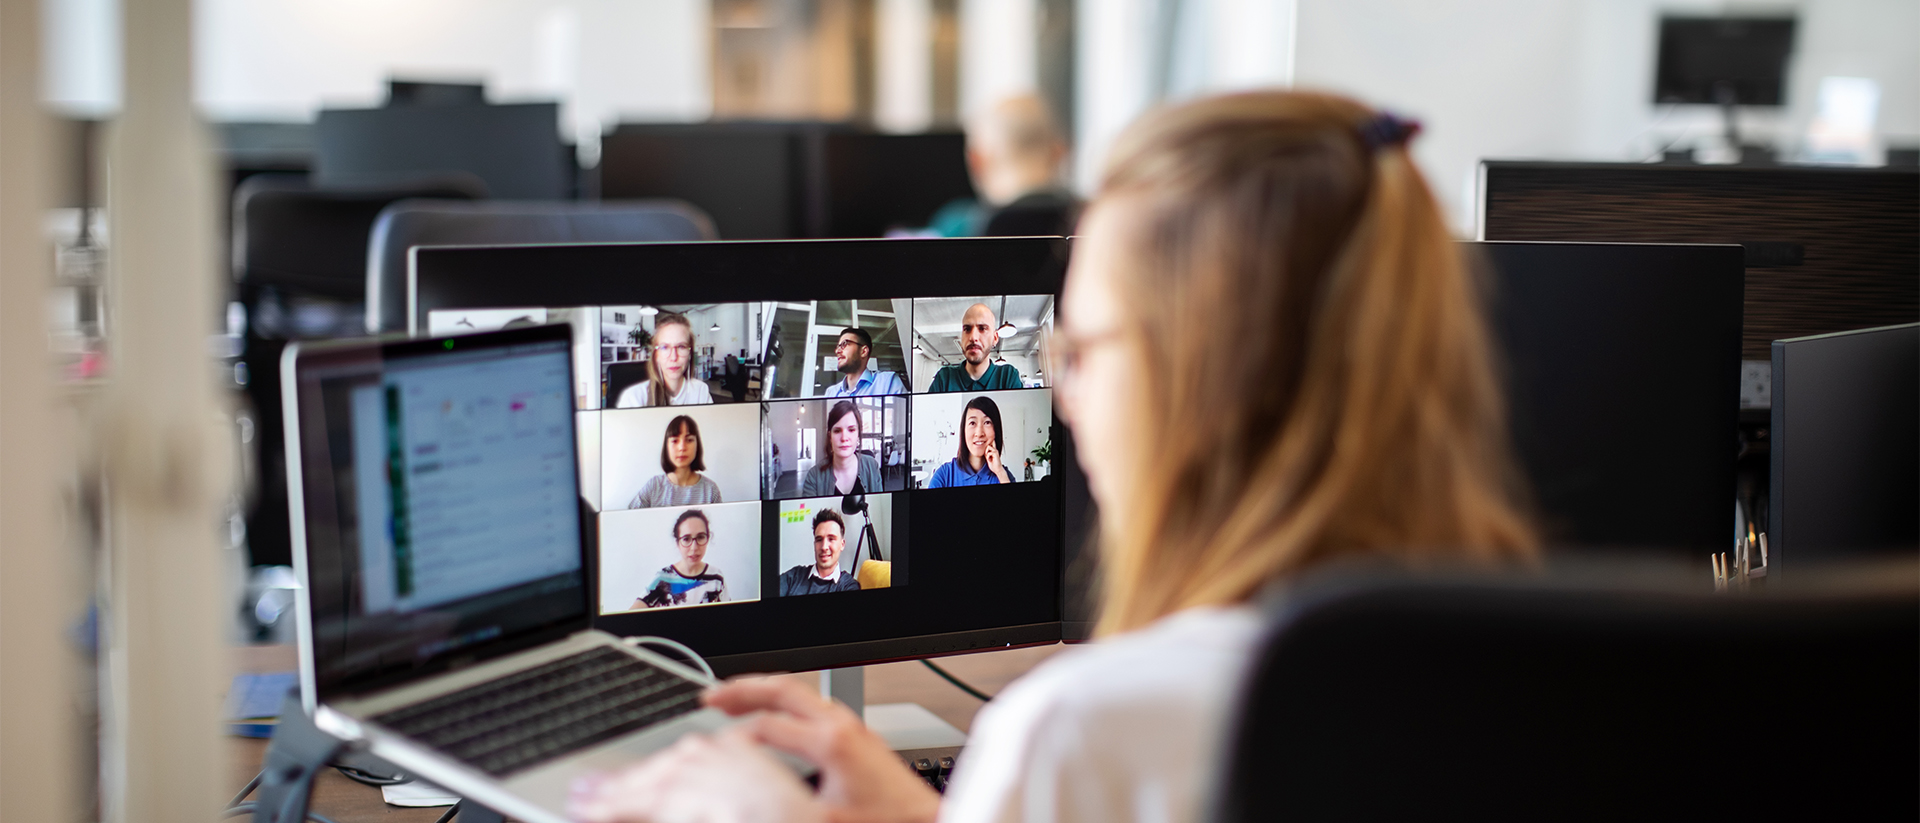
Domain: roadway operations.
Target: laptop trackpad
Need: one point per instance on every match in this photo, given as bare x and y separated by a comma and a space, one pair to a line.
548, 786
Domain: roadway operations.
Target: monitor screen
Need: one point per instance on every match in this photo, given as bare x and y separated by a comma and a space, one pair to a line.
810, 462
440, 498
1723, 60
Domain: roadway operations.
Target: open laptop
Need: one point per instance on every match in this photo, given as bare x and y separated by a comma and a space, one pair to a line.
437, 526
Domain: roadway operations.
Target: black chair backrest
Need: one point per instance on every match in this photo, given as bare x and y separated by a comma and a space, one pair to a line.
409, 223
290, 235
1487, 700
300, 266
622, 375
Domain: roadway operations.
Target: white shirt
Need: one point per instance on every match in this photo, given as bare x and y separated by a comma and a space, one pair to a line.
1126, 729
692, 393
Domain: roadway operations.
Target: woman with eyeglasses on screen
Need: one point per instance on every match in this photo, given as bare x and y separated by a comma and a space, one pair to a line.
670, 380
846, 469
978, 462
691, 580
1272, 356
683, 456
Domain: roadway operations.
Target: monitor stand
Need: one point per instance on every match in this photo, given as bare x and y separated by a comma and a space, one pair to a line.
908, 727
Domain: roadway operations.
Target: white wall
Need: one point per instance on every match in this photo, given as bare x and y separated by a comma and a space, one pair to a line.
1573, 79
604, 59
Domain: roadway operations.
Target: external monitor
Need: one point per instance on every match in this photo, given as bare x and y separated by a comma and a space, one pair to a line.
515, 149
1846, 445
1623, 387
871, 498
1723, 60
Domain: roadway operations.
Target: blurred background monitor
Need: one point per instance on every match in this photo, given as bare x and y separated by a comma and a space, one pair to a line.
1723, 60
515, 149
879, 182
772, 180
749, 177
1846, 445
431, 93
1623, 386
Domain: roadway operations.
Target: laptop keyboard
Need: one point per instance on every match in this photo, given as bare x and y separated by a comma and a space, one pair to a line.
532, 716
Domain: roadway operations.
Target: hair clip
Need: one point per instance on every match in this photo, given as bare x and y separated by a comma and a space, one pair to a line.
1388, 129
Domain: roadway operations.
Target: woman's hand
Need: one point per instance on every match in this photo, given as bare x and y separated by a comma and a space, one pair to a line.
993, 463
722, 778
861, 779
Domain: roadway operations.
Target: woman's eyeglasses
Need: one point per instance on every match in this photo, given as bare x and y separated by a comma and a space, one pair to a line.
688, 541
1069, 349
677, 348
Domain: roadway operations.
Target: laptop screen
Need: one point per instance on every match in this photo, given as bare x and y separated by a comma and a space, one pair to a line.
441, 499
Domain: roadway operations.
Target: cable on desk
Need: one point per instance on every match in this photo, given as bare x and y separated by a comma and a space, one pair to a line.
957, 682
678, 648
246, 790
247, 809
368, 778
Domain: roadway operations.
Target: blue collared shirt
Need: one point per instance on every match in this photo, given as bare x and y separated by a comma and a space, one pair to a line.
956, 473
873, 383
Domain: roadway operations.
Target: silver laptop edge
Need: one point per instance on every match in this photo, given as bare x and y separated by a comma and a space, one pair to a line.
536, 794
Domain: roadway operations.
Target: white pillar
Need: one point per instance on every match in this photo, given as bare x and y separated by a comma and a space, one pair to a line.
39, 735
165, 459
999, 42
1114, 77
903, 70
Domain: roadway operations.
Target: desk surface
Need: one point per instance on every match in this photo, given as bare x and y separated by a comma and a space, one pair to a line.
349, 802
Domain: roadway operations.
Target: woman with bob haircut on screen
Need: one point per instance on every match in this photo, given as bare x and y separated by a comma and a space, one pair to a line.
670, 380
846, 469
683, 456
978, 462
1358, 415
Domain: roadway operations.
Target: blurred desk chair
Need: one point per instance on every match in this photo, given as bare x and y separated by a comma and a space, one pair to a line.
1045, 213
412, 223
1410, 700
299, 261
622, 375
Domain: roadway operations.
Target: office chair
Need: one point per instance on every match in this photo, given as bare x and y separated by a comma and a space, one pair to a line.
410, 223
1582, 699
299, 258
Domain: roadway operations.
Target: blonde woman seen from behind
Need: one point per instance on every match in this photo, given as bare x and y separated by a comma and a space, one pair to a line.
1360, 416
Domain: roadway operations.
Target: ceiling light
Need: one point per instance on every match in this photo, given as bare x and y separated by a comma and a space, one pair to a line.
716, 327
1008, 328
648, 311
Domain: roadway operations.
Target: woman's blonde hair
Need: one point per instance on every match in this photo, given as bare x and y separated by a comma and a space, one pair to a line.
1323, 381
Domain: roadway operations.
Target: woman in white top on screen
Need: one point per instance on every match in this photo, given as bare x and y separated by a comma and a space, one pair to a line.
682, 459
669, 370
1358, 415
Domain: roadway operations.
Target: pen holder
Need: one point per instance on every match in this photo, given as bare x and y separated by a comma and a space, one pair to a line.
1736, 572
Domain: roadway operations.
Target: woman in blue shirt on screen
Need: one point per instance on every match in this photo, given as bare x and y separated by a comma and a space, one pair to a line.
978, 462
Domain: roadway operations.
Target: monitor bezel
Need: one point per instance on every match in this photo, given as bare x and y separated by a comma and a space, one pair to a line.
599, 274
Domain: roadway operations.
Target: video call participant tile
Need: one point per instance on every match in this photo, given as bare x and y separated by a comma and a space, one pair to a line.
673, 355
678, 557
679, 456
834, 446
981, 438
986, 343
836, 348
836, 544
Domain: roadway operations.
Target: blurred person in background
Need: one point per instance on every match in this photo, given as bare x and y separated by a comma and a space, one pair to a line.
1360, 416
1015, 154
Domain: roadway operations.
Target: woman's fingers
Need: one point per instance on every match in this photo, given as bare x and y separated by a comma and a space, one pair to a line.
742, 696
